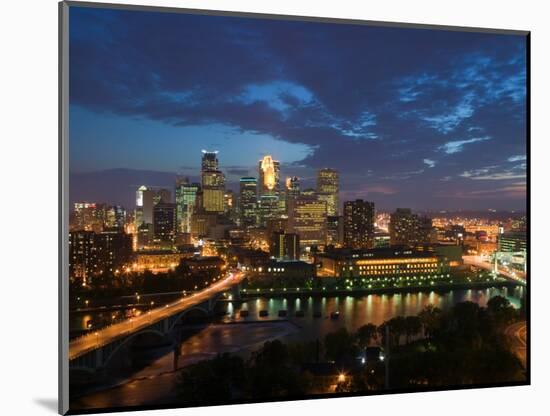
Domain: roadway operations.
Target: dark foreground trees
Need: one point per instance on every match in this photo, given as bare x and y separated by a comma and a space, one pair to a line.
461, 346
268, 373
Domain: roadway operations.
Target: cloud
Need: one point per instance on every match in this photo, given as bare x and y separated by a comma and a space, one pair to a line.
431, 163
517, 158
448, 121
382, 97
458, 145
495, 173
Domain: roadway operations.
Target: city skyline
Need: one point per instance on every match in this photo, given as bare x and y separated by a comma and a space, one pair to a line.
169, 182
422, 119
265, 209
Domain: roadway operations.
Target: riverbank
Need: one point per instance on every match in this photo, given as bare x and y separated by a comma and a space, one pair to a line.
362, 291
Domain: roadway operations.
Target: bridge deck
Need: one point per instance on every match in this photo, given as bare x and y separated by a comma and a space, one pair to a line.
102, 337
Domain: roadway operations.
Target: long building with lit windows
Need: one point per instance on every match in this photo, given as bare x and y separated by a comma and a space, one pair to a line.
213, 183
379, 263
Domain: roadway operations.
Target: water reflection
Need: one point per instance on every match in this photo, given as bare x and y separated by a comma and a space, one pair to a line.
358, 311
354, 311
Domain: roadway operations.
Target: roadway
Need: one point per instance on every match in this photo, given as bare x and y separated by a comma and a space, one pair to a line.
517, 333
477, 261
104, 336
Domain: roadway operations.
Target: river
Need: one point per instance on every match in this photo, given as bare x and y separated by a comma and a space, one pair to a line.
153, 384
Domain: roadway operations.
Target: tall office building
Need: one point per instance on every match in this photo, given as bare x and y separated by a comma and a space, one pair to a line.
92, 254
335, 230
328, 189
88, 216
292, 185
164, 223
213, 183
268, 208
186, 196
83, 257
229, 204
359, 224
292, 190
162, 195
308, 219
285, 246
269, 175
408, 229
115, 217
248, 201
146, 198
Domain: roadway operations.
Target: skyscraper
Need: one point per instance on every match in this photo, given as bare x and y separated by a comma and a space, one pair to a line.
269, 174
186, 195
292, 185
145, 201
163, 195
164, 223
115, 217
92, 254
268, 207
292, 190
359, 224
328, 188
88, 216
229, 204
335, 230
408, 229
308, 219
285, 246
213, 183
248, 201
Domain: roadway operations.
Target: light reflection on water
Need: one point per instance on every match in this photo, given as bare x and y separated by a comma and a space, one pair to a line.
354, 311
357, 311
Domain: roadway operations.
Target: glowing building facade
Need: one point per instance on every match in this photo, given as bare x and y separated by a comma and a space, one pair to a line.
328, 189
186, 196
359, 224
213, 183
408, 229
308, 219
269, 174
164, 223
247, 201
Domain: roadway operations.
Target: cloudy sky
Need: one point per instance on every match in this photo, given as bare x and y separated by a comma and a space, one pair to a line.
410, 117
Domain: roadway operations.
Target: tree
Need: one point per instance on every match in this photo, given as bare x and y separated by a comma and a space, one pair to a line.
430, 318
413, 327
501, 311
397, 328
464, 325
211, 381
270, 373
339, 345
366, 334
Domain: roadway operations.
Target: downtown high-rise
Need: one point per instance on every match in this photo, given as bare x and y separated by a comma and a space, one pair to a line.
408, 229
269, 176
359, 224
186, 196
328, 188
248, 188
213, 183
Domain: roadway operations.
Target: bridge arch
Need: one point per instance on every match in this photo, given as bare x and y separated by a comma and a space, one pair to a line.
127, 341
202, 308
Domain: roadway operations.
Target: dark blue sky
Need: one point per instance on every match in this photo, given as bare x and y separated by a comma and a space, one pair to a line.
410, 117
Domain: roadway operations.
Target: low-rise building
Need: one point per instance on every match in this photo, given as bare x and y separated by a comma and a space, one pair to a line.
158, 261
379, 262
290, 269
